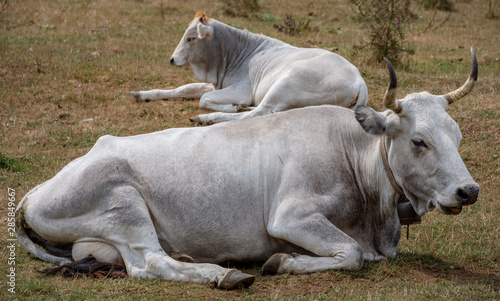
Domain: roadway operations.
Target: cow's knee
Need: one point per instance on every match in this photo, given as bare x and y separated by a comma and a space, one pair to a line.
371, 256
207, 101
353, 258
215, 105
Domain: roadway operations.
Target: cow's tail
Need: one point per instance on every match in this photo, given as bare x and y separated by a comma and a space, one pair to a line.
26, 235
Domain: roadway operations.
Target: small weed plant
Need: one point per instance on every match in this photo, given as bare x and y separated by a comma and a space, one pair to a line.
292, 27
491, 9
445, 5
384, 22
9, 163
239, 8
9, 21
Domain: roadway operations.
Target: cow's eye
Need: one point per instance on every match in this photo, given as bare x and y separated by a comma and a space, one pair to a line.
190, 40
419, 143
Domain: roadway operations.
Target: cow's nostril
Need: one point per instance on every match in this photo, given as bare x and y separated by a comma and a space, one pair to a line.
462, 195
172, 60
468, 194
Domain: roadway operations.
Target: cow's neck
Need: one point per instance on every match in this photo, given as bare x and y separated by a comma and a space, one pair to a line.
378, 192
235, 48
387, 168
372, 175
406, 212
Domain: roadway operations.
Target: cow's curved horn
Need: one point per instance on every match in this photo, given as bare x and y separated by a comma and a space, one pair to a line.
469, 84
390, 95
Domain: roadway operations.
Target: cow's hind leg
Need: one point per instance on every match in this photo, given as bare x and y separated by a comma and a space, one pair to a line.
130, 230
189, 91
231, 99
271, 103
219, 117
116, 217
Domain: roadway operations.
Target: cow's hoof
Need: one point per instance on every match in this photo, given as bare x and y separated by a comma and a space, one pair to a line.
235, 279
273, 264
136, 95
195, 120
182, 257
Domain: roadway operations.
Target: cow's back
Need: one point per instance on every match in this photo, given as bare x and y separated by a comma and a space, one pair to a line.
316, 76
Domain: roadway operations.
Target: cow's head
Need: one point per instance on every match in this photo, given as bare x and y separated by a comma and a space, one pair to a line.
422, 143
194, 47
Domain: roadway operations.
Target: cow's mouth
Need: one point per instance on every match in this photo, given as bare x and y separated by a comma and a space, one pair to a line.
450, 210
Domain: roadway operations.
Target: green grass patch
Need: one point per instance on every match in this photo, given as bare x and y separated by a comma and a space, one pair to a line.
10, 164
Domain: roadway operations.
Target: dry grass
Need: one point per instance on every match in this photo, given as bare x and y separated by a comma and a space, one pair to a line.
80, 59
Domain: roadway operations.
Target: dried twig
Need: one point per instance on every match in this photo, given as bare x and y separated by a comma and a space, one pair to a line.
429, 26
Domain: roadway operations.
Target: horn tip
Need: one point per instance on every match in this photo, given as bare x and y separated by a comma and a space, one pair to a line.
387, 63
474, 69
393, 84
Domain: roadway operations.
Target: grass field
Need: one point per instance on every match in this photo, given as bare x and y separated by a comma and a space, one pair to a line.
66, 69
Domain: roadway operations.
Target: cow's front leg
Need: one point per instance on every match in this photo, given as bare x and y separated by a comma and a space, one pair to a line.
308, 228
189, 91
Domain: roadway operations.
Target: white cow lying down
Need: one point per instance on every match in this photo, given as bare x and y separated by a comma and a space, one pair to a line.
257, 74
320, 181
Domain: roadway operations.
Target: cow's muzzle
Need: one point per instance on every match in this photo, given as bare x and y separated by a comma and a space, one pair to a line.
172, 60
467, 195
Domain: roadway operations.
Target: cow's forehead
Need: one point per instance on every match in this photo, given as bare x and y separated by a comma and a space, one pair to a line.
430, 116
191, 29
193, 23
437, 128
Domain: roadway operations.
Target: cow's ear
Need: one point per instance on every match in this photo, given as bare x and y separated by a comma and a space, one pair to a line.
372, 122
204, 31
